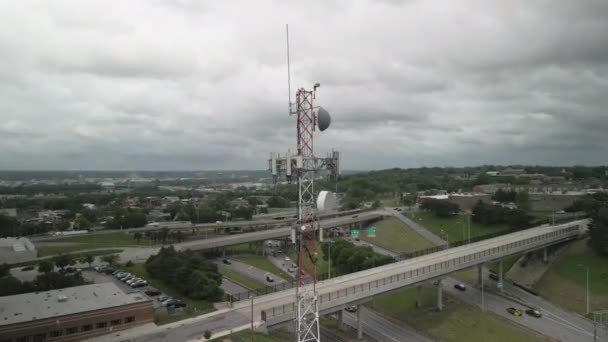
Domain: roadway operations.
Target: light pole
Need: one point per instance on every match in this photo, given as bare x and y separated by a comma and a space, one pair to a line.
447, 238
587, 274
329, 243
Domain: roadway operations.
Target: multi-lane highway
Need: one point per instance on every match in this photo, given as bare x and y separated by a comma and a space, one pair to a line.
341, 291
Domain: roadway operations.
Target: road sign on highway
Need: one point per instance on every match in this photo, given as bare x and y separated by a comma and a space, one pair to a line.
371, 232
354, 233
499, 284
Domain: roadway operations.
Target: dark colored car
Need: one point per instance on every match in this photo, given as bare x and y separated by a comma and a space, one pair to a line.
108, 271
494, 276
227, 262
514, 311
533, 313
269, 279
179, 304
152, 292
351, 308
27, 268
460, 287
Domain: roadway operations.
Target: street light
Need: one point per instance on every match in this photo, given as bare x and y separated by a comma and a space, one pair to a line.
587, 274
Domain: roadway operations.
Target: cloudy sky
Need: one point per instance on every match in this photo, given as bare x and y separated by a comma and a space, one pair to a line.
165, 85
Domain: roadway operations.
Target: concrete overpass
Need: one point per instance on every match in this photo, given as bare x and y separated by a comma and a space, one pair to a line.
337, 293
275, 233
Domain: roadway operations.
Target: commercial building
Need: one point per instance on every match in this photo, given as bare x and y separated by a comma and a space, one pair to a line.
466, 201
13, 250
71, 314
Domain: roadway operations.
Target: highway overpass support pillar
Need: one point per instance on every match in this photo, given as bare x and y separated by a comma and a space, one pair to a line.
500, 275
439, 295
340, 315
224, 252
545, 258
418, 296
479, 274
359, 323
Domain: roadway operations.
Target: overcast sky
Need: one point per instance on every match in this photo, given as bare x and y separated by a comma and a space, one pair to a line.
169, 85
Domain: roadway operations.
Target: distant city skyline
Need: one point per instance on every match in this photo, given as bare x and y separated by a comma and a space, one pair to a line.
202, 85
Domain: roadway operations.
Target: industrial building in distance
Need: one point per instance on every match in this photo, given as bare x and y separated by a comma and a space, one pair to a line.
71, 314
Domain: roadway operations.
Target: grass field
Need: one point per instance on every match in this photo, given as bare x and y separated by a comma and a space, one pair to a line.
457, 322
455, 226
264, 264
240, 278
194, 307
565, 281
244, 248
117, 239
395, 236
279, 335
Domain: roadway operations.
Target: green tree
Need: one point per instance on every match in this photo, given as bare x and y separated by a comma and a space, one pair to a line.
137, 236
82, 223
522, 199
110, 259
88, 259
10, 286
598, 232
5, 269
45, 266
63, 260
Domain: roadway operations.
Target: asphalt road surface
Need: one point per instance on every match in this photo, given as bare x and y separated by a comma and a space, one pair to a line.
556, 322
382, 329
252, 272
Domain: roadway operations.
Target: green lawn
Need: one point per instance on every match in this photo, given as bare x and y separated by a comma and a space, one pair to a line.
279, 335
264, 264
244, 248
117, 239
64, 248
240, 278
455, 226
389, 201
194, 307
395, 236
565, 282
457, 322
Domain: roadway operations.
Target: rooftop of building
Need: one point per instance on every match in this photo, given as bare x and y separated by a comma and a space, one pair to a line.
55, 303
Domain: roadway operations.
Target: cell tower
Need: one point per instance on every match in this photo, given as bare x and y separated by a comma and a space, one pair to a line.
304, 167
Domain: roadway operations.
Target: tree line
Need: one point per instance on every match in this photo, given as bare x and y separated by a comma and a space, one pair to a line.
348, 258
491, 214
190, 274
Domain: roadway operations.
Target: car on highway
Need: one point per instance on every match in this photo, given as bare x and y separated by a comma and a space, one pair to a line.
227, 262
533, 313
293, 265
27, 268
493, 276
269, 278
355, 216
513, 311
290, 270
460, 287
351, 308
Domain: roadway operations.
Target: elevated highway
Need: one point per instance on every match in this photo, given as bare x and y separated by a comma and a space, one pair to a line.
337, 293
275, 233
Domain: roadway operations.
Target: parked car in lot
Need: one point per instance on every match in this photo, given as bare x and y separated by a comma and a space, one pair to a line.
351, 308
122, 276
179, 304
513, 311
227, 262
117, 271
138, 284
162, 298
460, 287
133, 281
533, 313
152, 292
168, 302
108, 270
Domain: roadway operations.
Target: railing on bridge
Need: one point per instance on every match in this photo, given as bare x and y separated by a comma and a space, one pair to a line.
406, 274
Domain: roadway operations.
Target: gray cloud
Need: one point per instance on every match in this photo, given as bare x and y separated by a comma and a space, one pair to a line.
202, 85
